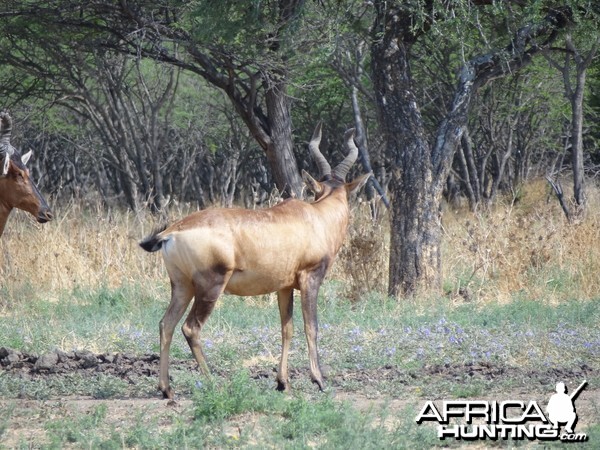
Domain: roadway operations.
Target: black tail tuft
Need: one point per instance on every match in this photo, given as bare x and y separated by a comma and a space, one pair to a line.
153, 242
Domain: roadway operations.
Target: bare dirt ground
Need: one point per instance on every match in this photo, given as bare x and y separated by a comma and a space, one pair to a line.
28, 415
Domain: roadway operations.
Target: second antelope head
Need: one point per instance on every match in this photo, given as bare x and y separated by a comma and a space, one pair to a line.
17, 189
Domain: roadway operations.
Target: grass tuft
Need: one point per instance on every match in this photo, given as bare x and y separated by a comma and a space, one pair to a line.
217, 399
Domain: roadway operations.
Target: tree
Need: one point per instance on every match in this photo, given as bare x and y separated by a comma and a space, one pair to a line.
128, 103
246, 55
420, 166
251, 54
574, 88
512, 134
349, 62
243, 51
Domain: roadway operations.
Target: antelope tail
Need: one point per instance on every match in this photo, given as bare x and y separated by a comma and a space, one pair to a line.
153, 242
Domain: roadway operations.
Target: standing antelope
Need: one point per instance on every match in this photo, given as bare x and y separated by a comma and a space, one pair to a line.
253, 252
17, 189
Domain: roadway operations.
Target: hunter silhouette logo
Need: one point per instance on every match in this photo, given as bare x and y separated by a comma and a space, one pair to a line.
561, 407
511, 419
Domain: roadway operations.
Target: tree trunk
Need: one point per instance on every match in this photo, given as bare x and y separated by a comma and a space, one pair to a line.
577, 138
468, 169
361, 142
420, 169
575, 97
415, 221
279, 147
415, 258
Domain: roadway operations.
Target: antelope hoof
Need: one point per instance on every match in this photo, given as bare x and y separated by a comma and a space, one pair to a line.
283, 386
167, 392
319, 382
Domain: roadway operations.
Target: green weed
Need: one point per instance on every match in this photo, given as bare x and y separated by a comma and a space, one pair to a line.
472, 390
6, 412
108, 387
217, 400
80, 430
380, 348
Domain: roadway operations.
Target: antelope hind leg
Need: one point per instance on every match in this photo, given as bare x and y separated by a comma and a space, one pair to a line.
207, 287
181, 294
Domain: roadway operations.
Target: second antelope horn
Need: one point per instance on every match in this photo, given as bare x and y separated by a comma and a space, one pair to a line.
343, 168
313, 145
5, 131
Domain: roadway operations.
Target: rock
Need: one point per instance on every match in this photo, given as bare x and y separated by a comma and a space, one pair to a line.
64, 356
46, 362
68, 366
4, 352
88, 360
151, 357
108, 358
129, 356
80, 354
13, 357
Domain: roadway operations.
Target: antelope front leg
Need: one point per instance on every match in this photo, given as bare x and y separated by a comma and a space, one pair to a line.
285, 299
181, 294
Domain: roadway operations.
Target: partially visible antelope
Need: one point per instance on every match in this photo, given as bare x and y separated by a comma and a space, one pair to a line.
17, 189
253, 252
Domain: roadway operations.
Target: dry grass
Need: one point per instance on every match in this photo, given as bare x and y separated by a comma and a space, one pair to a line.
363, 260
521, 247
524, 246
81, 248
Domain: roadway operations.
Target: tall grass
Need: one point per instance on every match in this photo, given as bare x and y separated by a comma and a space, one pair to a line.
82, 247
522, 247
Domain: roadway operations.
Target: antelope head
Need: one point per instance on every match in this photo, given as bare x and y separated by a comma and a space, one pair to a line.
331, 179
17, 189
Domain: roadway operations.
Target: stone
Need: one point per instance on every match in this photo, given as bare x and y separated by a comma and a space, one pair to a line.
13, 358
46, 362
88, 360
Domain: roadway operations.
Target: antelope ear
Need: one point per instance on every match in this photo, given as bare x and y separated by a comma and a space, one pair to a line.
312, 184
357, 183
6, 165
26, 156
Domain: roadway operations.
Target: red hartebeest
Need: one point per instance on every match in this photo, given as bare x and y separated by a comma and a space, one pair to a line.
253, 252
17, 189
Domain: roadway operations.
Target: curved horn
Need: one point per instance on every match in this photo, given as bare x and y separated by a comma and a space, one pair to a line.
5, 131
6, 165
313, 145
343, 168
